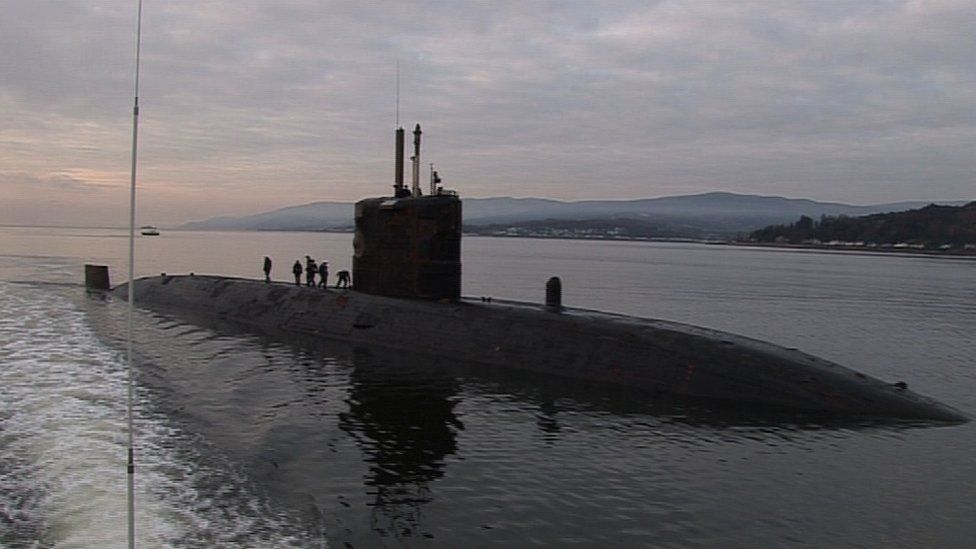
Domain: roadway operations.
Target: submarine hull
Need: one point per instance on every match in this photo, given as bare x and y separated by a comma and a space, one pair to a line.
647, 355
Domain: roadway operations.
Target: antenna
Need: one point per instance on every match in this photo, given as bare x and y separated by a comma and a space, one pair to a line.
131, 468
397, 125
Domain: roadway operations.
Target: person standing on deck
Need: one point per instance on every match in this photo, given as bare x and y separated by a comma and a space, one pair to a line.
267, 269
311, 269
323, 274
297, 271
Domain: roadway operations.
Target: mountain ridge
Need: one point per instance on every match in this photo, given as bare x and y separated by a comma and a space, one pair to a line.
715, 213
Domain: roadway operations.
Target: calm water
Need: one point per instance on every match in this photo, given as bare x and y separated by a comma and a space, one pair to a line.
244, 441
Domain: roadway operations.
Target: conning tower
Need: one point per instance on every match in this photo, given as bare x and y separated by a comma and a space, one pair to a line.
409, 245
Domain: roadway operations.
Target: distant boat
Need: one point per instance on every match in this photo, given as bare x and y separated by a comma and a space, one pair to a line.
149, 230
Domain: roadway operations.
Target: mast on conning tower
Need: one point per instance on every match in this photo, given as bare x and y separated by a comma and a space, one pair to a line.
415, 187
398, 189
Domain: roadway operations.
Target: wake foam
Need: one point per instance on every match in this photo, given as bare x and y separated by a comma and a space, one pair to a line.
63, 448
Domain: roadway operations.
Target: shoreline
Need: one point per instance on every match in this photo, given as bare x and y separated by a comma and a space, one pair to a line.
909, 252
863, 250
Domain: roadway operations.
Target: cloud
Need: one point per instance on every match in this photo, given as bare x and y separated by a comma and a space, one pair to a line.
56, 182
57, 199
855, 101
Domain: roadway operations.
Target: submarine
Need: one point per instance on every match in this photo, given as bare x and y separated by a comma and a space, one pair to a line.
406, 296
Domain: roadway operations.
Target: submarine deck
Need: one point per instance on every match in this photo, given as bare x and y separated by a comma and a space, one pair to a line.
651, 355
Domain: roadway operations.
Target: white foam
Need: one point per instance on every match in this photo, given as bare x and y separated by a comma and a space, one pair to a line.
63, 447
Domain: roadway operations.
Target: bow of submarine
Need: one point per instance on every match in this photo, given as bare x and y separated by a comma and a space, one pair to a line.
765, 373
668, 357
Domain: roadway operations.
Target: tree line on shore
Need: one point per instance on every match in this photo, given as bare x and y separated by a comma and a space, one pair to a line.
931, 227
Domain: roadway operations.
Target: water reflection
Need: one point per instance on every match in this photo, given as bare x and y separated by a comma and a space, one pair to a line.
369, 447
403, 419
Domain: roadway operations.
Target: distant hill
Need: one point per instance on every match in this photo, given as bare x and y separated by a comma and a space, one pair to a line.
709, 214
931, 227
307, 217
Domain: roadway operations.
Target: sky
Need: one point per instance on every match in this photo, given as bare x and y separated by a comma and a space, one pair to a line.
251, 105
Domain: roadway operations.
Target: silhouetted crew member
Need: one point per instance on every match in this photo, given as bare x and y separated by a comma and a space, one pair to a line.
310, 270
343, 281
323, 274
267, 269
297, 271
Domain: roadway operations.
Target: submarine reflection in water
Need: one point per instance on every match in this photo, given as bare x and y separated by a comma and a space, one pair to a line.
404, 422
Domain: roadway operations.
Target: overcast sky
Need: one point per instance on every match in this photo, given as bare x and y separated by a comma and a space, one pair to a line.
249, 106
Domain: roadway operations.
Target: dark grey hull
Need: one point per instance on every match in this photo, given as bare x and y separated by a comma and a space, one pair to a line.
651, 356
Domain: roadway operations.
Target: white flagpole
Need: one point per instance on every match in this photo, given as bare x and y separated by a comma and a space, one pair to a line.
131, 468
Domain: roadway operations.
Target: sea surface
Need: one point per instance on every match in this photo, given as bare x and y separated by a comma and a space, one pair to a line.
245, 441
